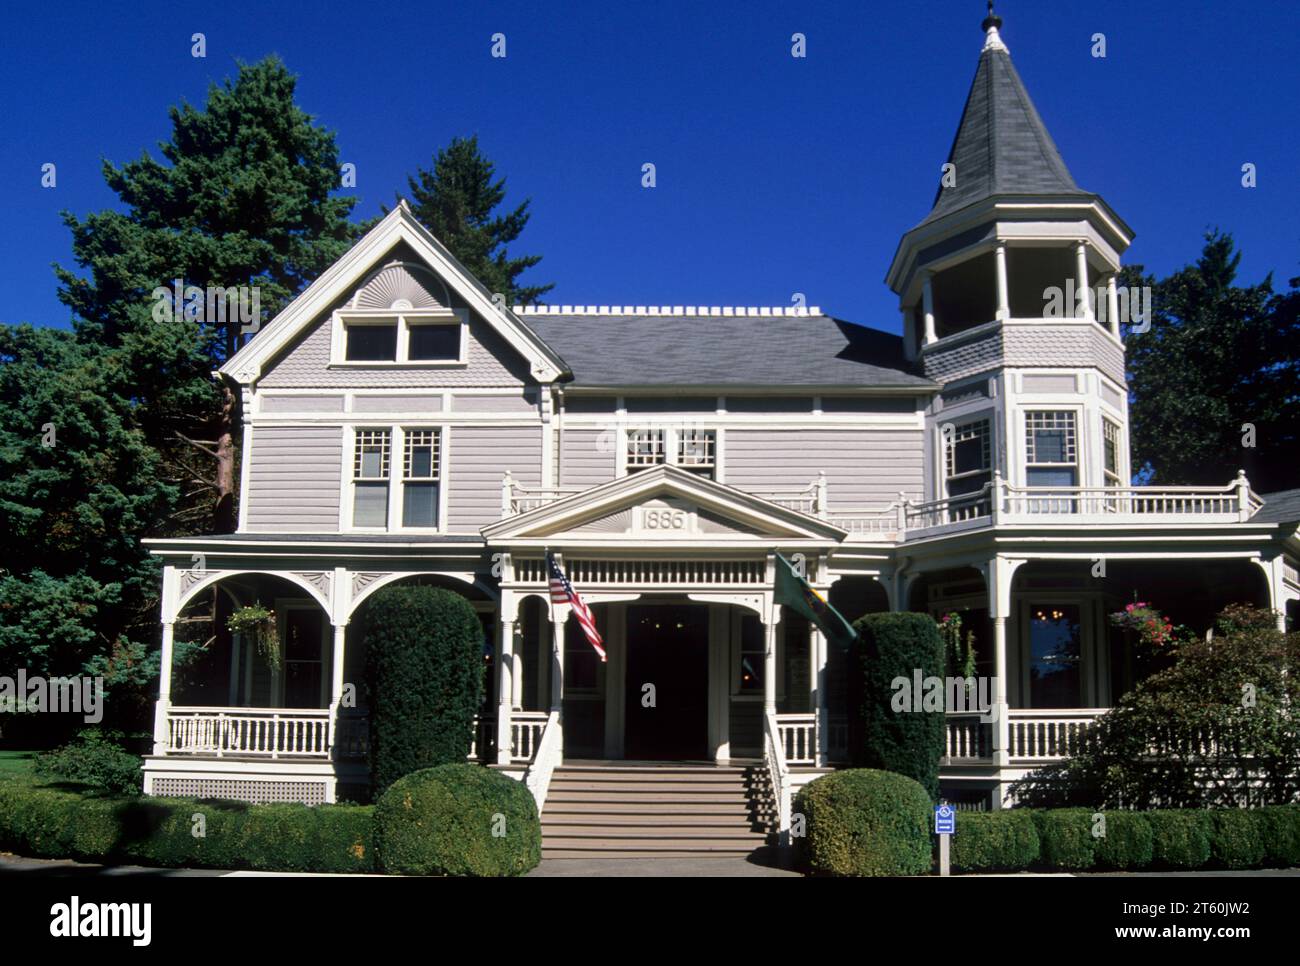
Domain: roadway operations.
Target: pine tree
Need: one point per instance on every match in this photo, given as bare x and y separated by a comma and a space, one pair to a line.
243, 196
1218, 370
456, 201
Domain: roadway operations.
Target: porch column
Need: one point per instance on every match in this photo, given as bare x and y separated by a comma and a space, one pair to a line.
1112, 306
336, 678
1081, 271
1004, 301
820, 707
1001, 726
927, 307
769, 665
164, 690
505, 688
557, 663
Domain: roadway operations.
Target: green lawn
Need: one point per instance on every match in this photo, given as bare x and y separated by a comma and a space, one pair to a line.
16, 762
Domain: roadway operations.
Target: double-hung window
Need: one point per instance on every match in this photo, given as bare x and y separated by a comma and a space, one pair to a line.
424, 338
1110, 452
370, 477
420, 478
968, 461
1051, 457
1051, 449
411, 488
697, 451
694, 450
645, 448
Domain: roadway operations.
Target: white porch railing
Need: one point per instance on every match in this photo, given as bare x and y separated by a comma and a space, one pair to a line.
779, 773
270, 733
527, 729
1033, 735
798, 738
549, 753
999, 502
1050, 735
810, 499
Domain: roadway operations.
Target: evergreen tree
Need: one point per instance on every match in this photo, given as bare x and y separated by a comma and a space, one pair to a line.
456, 201
241, 197
1218, 370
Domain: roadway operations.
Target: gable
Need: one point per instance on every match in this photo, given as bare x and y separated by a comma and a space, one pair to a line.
396, 281
662, 505
363, 280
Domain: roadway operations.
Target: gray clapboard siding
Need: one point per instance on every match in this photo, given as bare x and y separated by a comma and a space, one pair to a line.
478, 457
864, 467
293, 480
582, 461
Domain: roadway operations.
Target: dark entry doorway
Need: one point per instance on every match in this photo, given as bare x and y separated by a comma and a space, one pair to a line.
667, 646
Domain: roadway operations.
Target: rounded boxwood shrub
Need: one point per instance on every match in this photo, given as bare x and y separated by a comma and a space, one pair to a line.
424, 677
897, 731
92, 760
1237, 840
865, 822
1282, 835
1000, 841
1065, 838
1180, 837
1128, 842
457, 819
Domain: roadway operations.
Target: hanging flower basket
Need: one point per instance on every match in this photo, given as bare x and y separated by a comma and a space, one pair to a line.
257, 623
1153, 628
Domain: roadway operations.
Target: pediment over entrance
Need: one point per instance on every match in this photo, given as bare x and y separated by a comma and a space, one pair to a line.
663, 505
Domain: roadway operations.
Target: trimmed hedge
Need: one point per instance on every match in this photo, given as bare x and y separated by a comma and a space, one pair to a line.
865, 822
424, 675
1001, 841
458, 819
1066, 842
63, 822
1237, 841
1180, 837
1019, 839
93, 760
1128, 843
909, 742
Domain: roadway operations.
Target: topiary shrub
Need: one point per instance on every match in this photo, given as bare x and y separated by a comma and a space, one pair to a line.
1128, 842
1065, 838
457, 819
1180, 837
424, 675
865, 822
900, 733
1281, 835
1238, 838
92, 760
1000, 841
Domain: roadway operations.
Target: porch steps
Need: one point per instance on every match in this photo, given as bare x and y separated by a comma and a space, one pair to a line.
621, 811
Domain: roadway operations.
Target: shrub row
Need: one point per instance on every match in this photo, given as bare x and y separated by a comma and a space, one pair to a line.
456, 819
60, 822
1075, 840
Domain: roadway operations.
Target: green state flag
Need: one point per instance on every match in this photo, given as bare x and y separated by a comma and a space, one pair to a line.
793, 591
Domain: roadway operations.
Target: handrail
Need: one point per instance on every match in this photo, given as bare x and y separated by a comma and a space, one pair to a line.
547, 756
779, 772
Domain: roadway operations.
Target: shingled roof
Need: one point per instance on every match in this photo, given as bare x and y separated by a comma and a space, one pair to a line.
705, 350
1002, 146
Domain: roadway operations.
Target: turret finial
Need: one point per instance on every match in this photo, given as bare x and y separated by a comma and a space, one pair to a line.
990, 27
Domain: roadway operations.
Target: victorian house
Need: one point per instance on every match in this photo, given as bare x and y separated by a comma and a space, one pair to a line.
401, 425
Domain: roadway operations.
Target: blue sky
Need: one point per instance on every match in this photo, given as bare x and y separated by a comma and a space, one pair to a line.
775, 175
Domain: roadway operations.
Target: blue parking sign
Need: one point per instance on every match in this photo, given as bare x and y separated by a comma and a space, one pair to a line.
945, 820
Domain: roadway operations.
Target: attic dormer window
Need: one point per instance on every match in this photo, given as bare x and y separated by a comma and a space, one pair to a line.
420, 337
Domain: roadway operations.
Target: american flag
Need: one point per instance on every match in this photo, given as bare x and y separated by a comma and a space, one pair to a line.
562, 592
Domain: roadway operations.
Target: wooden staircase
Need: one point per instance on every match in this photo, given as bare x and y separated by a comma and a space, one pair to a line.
601, 810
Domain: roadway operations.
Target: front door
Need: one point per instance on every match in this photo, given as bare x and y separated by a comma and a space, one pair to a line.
666, 691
